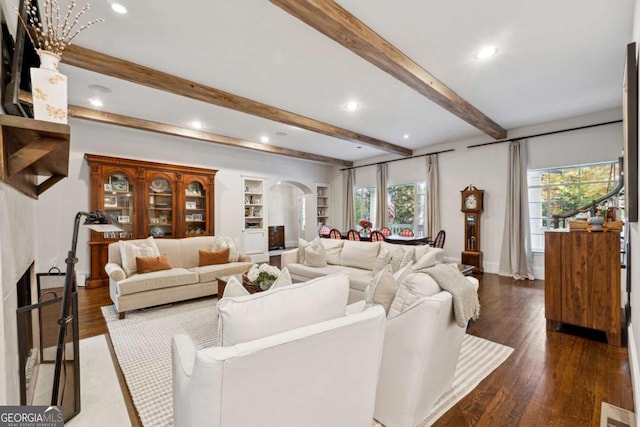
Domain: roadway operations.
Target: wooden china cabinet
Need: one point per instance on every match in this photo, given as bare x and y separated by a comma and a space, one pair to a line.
147, 199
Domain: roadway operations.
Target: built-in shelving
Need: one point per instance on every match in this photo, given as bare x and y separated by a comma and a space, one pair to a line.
322, 204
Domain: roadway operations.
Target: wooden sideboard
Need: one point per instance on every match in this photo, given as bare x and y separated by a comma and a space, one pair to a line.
582, 281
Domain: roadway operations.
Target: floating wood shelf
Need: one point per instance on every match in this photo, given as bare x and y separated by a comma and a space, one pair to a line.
30, 149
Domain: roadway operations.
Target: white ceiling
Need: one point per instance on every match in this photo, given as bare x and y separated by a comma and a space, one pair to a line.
555, 60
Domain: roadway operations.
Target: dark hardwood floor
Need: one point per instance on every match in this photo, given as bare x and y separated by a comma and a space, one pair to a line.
551, 378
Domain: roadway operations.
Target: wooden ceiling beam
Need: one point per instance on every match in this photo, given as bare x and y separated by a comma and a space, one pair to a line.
338, 24
151, 126
119, 68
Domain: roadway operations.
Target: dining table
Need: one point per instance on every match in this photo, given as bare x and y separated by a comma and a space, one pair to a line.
393, 238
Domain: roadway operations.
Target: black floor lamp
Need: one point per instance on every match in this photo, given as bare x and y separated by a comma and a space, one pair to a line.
98, 221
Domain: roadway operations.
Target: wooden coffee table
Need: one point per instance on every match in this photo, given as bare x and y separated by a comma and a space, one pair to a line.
466, 269
248, 284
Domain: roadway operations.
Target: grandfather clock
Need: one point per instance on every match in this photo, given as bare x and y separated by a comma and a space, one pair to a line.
472, 208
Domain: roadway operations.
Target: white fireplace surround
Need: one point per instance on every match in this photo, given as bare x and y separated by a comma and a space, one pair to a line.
17, 253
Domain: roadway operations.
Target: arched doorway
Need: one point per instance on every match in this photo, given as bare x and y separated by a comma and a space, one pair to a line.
289, 206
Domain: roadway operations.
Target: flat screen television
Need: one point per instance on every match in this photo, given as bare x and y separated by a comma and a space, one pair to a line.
630, 133
18, 56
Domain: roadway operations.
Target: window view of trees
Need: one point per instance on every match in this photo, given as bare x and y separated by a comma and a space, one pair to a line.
563, 190
406, 206
364, 198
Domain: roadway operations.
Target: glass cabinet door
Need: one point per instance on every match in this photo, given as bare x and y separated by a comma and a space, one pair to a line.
195, 209
160, 207
119, 204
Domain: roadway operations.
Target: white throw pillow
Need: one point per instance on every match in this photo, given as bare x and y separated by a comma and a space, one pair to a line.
427, 260
411, 289
381, 261
400, 258
332, 250
284, 279
314, 256
302, 244
267, 313
130, 251
381, 290
234, 289
403, 272
359, 254
223, 242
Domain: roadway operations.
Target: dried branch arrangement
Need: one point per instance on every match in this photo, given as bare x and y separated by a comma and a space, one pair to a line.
53, 32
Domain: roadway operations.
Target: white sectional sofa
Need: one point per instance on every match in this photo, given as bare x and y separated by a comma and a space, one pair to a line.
185, 280
356, 258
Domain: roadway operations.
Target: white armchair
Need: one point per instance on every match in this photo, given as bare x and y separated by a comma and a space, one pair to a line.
324, 374
421, 349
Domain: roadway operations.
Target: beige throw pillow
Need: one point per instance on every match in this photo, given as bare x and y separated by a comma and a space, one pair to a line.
381, 261
302, 244
314, 255
400, 258
382, 289
130, 251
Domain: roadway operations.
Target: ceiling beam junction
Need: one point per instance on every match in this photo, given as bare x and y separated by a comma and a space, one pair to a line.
338, 24
119, 68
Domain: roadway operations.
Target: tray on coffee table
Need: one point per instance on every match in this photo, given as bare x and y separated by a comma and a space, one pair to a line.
248, 284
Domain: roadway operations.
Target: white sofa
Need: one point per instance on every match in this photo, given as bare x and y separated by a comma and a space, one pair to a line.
292, 371
355, 258
185, 280
422, 344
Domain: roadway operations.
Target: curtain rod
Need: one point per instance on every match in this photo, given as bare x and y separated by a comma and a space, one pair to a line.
397, 160
543, 134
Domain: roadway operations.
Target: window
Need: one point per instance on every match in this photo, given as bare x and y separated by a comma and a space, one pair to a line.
563, 190
365, 203
407, 207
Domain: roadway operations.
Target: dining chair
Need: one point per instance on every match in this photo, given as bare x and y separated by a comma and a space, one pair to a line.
406, 232
323, 231
377, 236
353, 235
439, 240
335, 234
385, 231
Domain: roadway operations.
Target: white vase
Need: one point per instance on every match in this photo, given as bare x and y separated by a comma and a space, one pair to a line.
49, 89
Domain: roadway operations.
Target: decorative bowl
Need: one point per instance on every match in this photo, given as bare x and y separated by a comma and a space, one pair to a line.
596, 222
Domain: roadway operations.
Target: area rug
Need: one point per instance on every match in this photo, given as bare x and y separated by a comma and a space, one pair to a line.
142, 342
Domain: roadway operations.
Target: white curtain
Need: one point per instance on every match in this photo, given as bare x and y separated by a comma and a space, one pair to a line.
516, 257
382, 209
349, 207
432, 202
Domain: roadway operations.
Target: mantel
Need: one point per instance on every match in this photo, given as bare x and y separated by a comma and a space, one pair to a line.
30, 149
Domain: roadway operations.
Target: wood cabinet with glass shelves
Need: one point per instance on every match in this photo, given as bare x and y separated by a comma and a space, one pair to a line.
147, 199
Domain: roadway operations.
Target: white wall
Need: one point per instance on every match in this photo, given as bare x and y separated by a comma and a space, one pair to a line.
17, 249
486, 168
58, 206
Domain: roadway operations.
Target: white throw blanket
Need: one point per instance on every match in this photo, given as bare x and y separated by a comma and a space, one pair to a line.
466, 304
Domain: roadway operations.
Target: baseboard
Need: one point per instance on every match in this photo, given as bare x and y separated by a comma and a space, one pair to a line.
635, 369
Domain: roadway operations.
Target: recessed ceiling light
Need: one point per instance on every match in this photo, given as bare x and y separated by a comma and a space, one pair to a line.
486, 52
119, 8
264, 139
405, 136
351, 106
196, 124
99, 89
96, 102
